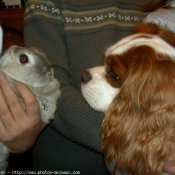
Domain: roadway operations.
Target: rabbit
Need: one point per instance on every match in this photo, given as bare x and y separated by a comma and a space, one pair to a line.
31, 67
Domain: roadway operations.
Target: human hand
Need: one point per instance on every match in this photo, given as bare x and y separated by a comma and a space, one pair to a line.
169, 164
19, 127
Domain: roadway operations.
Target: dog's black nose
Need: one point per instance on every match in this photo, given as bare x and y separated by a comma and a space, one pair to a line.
86, 76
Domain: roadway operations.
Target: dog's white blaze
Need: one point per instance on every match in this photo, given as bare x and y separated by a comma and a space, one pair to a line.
98, 92
142, 39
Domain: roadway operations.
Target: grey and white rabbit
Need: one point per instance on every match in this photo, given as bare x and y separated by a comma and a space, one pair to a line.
31, 67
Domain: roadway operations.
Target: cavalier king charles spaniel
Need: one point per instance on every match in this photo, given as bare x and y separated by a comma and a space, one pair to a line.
136, 90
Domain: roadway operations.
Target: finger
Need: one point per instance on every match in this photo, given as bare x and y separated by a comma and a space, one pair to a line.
4, 111
169, 168
31, 104
11, 106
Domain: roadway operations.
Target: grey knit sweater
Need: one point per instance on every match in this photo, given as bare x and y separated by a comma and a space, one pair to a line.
74, 35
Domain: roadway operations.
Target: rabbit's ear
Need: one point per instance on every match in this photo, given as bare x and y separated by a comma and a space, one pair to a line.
1, 39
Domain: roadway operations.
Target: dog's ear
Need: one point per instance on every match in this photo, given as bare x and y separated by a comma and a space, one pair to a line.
139, 125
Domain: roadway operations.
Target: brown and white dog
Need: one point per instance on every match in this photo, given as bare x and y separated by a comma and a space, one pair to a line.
136, 89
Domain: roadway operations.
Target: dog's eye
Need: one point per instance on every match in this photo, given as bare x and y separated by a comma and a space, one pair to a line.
23, 59
114, 75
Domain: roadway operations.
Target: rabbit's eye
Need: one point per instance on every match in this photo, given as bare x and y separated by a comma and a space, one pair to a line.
23, 59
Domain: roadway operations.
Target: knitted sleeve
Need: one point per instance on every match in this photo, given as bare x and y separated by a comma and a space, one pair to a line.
164, 17
44, 29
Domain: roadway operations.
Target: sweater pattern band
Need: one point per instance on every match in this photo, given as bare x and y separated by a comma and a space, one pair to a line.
83, 20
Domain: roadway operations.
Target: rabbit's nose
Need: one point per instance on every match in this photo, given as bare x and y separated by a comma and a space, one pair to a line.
50, 72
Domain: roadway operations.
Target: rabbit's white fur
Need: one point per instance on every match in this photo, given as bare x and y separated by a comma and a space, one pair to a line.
31, 67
